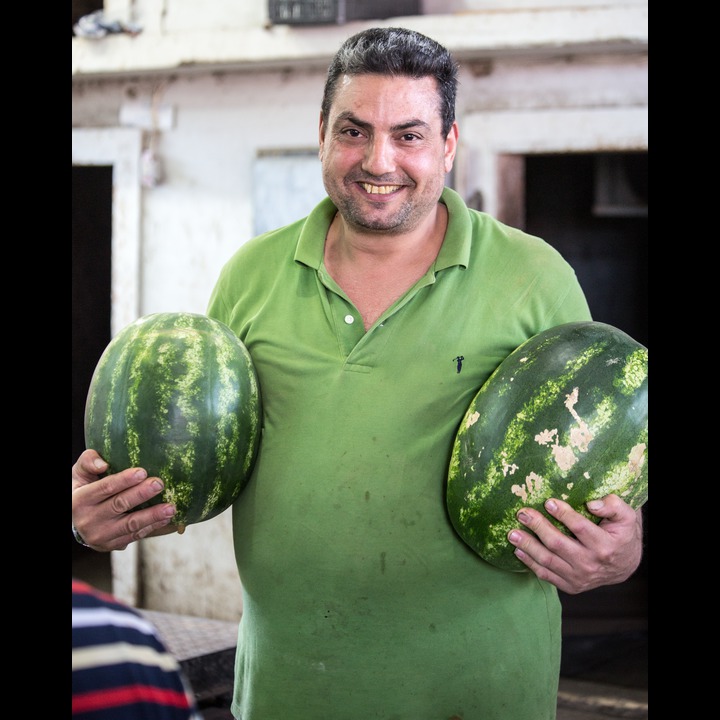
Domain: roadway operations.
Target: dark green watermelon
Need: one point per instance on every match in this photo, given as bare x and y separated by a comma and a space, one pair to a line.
177, 394
564, 416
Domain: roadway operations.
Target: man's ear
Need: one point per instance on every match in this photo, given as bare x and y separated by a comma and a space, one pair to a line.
451, 144
321, 135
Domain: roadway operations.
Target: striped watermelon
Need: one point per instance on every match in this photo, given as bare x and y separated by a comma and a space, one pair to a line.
564, 416
177, 394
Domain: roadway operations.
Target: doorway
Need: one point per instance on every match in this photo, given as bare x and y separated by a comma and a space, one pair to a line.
91, 298
592, 207
106, 197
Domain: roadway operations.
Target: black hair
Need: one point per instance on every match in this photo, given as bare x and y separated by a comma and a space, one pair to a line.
396, 51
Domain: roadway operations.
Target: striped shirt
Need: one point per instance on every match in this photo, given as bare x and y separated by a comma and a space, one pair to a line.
121, 670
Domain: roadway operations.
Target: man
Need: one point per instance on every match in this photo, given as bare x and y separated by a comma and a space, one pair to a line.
359, 600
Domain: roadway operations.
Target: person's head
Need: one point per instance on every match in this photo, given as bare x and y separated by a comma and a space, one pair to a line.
396, 52
388, 134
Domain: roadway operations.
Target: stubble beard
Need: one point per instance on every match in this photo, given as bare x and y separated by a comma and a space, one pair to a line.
360, 215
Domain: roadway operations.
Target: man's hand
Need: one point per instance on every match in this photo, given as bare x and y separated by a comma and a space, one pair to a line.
102, 508
602, 554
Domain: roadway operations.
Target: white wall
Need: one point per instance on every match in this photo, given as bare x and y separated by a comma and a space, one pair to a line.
186, 36
211, 125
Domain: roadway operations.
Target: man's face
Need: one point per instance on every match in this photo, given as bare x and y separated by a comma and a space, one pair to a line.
384, 160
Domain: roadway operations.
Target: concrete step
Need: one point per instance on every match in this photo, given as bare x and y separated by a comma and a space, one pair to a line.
581, 700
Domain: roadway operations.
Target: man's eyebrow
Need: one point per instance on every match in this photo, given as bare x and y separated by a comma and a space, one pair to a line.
413, 123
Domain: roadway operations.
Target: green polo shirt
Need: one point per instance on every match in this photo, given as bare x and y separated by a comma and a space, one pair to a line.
359, 600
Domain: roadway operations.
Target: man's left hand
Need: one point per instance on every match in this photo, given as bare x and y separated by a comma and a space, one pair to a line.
606, 553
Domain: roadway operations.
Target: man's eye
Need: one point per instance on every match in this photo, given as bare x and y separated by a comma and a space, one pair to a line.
352, 132
409, 137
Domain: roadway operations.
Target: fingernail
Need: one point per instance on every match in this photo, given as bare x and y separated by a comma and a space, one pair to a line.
514, 536
523, 517
551, 505
595, 504
99, 464
140, 475
169, 511
157, 484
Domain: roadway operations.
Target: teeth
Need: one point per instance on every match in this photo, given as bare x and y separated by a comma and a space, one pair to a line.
380, 189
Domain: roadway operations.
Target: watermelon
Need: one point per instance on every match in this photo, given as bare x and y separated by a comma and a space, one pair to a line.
177, 394
563, 416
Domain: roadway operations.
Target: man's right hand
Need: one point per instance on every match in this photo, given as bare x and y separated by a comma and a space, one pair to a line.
102, 507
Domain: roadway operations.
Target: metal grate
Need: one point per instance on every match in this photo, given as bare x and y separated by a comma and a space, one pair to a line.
320, 12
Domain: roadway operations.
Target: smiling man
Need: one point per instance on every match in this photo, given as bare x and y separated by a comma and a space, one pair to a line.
372, 323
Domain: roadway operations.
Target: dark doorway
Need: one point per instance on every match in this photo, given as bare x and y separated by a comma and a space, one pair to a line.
91, 293
593, 209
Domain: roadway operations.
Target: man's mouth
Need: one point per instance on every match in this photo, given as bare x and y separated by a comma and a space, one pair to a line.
380, 189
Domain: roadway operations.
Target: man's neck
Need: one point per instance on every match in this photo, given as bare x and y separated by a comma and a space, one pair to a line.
375, 269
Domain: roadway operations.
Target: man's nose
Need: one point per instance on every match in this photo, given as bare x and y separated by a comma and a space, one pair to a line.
379, 157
